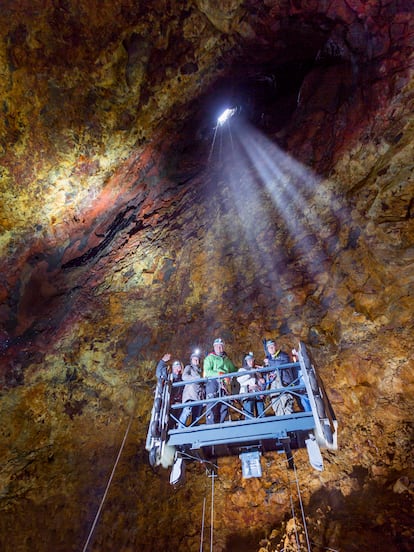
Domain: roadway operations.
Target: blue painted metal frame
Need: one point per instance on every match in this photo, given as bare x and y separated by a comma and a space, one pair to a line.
265, 432
248, 431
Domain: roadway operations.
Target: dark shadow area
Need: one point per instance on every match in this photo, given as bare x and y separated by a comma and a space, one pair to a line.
244, 542
373, 518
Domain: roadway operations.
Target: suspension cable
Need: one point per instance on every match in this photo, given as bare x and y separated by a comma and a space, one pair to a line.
199, 459
292, 506
212, 144
325, 547
220, 146
95, 521
301, 508
213, 476
231, 138
202, 525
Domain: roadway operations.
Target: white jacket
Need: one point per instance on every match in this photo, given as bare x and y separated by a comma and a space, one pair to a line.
245, 381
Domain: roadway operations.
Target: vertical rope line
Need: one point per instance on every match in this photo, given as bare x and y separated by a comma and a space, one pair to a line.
95, 521
302, 510
212, 512
292, 507
212, 144
294, 524
231, 139
202, 525
221, 146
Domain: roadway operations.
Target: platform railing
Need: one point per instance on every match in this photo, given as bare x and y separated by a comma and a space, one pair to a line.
296, 388
312, 415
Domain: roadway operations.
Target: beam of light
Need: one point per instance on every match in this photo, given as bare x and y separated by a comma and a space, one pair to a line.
213, 143
252, 220
225, 116
290, 185
295, 192
258, 165
269, 197
301, 180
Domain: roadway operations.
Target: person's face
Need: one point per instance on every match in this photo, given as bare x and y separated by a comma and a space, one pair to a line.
218, 348
250, 362
195, 360
271, 348
176, 369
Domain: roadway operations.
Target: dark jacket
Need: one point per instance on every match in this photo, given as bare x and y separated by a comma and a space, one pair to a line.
161, 372
287, 375
176, 392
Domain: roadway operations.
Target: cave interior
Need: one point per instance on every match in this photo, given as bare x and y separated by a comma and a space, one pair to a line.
133, 224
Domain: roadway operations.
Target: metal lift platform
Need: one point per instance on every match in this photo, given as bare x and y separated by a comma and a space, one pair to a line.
312, 424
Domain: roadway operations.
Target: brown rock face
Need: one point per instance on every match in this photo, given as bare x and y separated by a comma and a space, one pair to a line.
132, 224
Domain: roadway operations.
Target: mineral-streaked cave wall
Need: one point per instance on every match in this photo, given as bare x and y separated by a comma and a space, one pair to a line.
125, 234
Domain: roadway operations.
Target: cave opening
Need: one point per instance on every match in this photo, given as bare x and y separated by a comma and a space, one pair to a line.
272, 96
265, 95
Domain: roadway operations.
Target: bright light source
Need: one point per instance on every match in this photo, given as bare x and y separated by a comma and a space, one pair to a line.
225, 116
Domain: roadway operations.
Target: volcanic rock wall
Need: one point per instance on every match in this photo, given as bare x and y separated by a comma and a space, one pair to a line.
129, 228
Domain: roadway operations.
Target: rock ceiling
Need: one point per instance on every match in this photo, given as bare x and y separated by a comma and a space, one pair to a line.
130, 227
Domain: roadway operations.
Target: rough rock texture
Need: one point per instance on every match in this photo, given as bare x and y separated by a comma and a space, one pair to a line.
130, 227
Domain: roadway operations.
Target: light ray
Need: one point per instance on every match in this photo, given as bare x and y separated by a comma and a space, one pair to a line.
275, 199
287, 194
212, 143
292, 189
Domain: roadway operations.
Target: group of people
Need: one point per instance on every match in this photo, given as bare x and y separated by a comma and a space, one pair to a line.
217, 363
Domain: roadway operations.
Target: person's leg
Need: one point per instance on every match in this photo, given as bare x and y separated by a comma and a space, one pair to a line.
287, 403
248, 407
259, 408
223, 411
278, 404
184, 416
211, 392
277, 400
305, 403
274, 401
282, 404
174, 417
196, 413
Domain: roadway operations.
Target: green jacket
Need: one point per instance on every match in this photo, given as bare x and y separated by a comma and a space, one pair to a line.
214, 364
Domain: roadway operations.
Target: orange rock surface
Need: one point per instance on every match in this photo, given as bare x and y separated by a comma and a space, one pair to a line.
131, 226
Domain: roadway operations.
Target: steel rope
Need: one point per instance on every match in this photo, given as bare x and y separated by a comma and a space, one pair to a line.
95, 521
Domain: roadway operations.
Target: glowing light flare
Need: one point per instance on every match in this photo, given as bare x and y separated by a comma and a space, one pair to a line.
225, 116
286, 180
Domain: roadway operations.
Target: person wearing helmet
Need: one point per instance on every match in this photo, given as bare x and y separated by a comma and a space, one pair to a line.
176, 392
250, 383
164, 374
176, 376
216, 364
192, 391
282, 403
